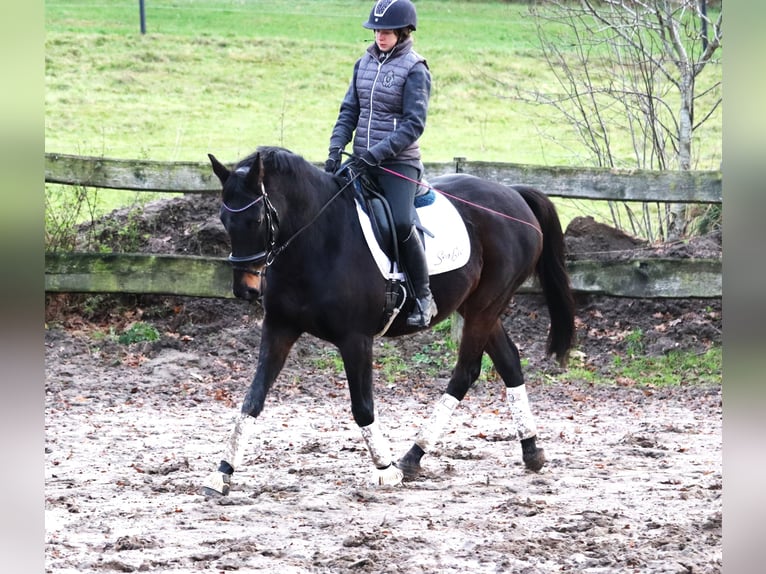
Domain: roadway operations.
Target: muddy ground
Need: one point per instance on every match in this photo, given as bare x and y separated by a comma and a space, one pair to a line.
633, 483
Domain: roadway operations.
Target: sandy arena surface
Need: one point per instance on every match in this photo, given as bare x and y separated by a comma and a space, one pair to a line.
633, 482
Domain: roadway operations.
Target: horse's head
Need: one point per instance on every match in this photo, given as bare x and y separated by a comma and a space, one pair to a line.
251, 222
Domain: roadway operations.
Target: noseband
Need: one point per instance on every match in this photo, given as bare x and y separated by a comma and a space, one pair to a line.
272, 229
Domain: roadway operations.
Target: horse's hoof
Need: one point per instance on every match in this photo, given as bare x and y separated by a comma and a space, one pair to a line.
217, 484
534, 461
410, 463
389, 476
410, 470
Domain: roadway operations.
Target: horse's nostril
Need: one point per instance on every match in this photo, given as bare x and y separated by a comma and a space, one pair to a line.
241, 293
246, 293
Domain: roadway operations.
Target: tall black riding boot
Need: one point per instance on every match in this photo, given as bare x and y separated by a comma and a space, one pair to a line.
414, 259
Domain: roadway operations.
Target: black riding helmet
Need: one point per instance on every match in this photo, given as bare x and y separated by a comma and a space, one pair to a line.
392, 15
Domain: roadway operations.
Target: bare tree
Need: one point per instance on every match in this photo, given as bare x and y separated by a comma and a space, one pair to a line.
631, 66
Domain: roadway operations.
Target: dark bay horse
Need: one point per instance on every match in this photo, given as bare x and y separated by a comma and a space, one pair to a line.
298, 245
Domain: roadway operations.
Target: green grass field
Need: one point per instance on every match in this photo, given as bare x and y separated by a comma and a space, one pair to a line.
224, 76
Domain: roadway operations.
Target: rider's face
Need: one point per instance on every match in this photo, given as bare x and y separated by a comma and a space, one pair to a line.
385, 39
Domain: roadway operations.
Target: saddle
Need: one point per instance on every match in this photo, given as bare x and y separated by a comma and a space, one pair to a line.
375, 205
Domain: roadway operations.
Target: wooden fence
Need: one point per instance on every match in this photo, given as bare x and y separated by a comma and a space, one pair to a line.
211, 277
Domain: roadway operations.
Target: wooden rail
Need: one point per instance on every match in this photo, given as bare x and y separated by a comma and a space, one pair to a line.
582, 183
211, 277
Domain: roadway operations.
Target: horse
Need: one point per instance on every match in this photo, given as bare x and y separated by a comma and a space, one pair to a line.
297, 247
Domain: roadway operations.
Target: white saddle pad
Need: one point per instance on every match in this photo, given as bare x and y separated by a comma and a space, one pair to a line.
448, 249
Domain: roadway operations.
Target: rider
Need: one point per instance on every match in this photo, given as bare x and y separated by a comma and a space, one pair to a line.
385, 110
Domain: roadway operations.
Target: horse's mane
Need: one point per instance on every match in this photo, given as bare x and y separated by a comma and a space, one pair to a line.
278, 159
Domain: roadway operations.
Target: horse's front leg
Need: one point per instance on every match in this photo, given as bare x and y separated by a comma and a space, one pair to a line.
274, 348
357, 360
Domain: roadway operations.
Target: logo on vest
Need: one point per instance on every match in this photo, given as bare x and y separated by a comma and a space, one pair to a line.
388, 79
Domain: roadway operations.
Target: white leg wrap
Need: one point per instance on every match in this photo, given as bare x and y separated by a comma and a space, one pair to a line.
244, 428
390, 476
385, 472
217, 482
518, 404
377, 444
434, 427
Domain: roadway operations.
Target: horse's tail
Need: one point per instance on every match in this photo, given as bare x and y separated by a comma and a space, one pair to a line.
552, 273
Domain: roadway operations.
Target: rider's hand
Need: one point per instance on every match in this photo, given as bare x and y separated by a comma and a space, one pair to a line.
361, 163
332, 165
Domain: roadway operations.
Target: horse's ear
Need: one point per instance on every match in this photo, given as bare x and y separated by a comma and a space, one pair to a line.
219, 169
254, 177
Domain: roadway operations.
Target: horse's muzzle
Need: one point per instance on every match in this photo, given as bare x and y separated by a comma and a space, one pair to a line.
247, 283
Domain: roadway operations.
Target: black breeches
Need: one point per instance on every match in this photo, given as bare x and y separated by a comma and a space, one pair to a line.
400, 194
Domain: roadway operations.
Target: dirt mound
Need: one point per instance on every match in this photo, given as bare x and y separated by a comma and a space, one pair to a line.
187, 225
587, 238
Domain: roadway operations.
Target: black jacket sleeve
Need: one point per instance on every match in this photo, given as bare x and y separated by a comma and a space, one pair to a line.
348, 116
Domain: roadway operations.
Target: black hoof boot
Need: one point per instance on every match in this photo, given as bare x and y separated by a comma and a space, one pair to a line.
409, 464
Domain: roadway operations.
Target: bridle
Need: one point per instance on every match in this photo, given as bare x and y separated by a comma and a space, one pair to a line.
272, 229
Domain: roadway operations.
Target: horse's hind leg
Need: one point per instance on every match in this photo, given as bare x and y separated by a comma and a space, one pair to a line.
505, 357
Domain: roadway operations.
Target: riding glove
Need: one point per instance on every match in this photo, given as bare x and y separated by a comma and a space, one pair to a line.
332, 165
361, 163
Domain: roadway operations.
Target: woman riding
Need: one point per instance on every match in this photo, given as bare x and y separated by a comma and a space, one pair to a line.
385, 110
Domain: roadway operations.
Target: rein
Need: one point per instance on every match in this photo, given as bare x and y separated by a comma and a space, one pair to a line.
282, 247
272, 220
476, 205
